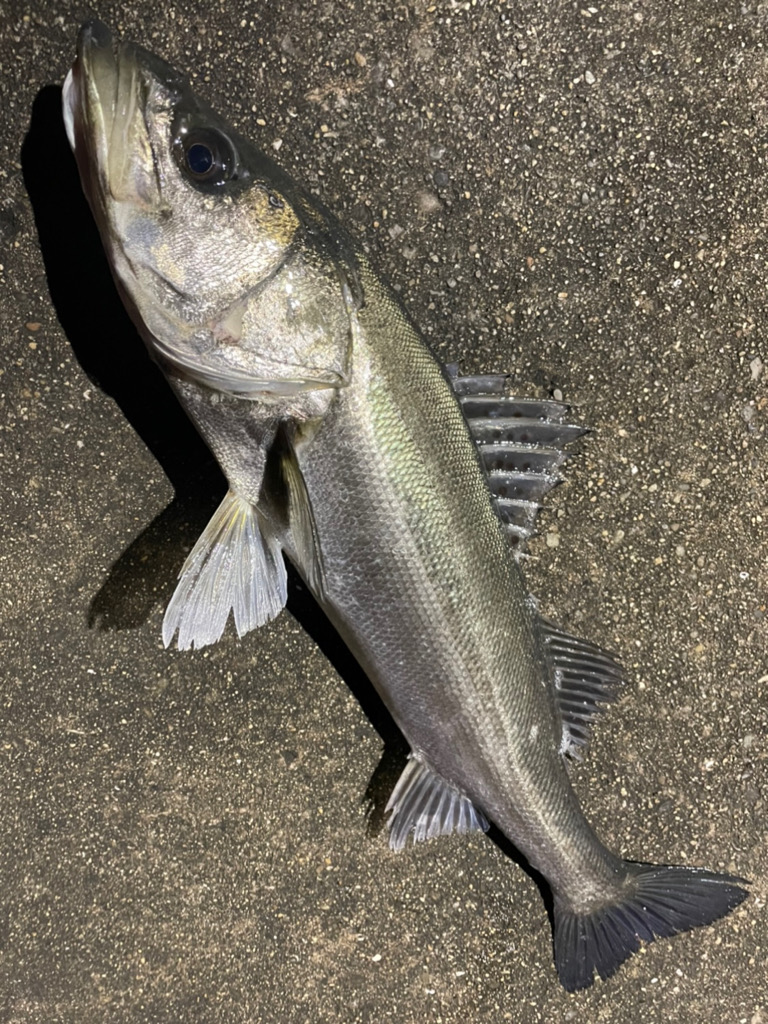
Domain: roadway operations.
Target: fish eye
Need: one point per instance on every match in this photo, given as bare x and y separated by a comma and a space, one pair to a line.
206, 157
200, 159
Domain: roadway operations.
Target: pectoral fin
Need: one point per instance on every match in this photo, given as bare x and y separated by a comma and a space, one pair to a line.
302, 525
235, 566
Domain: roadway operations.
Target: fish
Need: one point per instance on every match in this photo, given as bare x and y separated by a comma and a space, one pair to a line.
401, 491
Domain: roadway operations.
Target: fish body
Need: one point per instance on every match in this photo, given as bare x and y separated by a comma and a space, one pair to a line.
394, 487
452, 650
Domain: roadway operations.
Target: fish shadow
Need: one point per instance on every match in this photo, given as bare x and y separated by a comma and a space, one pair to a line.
115, 360
498, 838
394, 756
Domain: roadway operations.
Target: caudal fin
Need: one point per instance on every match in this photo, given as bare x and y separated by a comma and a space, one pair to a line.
660, 901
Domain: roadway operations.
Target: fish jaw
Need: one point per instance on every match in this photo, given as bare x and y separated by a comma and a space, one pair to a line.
101, 105
122, 179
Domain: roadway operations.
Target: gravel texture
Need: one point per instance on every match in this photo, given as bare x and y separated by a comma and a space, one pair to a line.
574, 194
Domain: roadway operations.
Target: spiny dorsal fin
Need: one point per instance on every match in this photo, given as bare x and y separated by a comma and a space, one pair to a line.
236, 566
583, 677
522, 443
425, 804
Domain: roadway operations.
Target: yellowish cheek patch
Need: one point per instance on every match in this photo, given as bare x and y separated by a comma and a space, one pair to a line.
278, 223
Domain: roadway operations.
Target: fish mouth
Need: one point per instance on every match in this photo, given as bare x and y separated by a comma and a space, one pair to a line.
104, 103
89, 88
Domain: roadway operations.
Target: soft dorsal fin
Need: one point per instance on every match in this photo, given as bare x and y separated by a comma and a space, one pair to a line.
424, 804
522, 444
236, 566
583, 677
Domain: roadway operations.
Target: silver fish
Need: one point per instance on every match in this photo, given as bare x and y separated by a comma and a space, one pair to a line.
400, 491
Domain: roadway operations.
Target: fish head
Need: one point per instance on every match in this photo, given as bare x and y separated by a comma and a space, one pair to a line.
194, 218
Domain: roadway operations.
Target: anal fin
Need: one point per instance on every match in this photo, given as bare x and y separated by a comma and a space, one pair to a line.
236, 566
424, 804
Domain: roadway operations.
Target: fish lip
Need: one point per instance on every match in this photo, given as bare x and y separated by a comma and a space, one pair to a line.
95, 37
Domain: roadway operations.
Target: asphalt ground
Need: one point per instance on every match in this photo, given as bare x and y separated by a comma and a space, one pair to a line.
573, 194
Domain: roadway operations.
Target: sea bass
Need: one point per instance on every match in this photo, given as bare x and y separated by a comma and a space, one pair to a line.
400, 491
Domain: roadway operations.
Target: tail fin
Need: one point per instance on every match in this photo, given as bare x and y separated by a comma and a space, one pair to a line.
661, 901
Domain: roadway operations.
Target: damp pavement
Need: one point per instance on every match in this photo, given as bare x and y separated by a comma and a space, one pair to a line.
573, 194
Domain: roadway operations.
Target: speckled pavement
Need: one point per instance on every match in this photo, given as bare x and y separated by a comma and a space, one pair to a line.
574, 194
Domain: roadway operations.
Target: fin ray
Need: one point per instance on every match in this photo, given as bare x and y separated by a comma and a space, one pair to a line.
235, 566
584, 677
425, 804
522, 443
302, 524
660, 901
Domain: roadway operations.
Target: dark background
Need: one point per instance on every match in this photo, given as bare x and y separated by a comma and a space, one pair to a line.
574, 194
